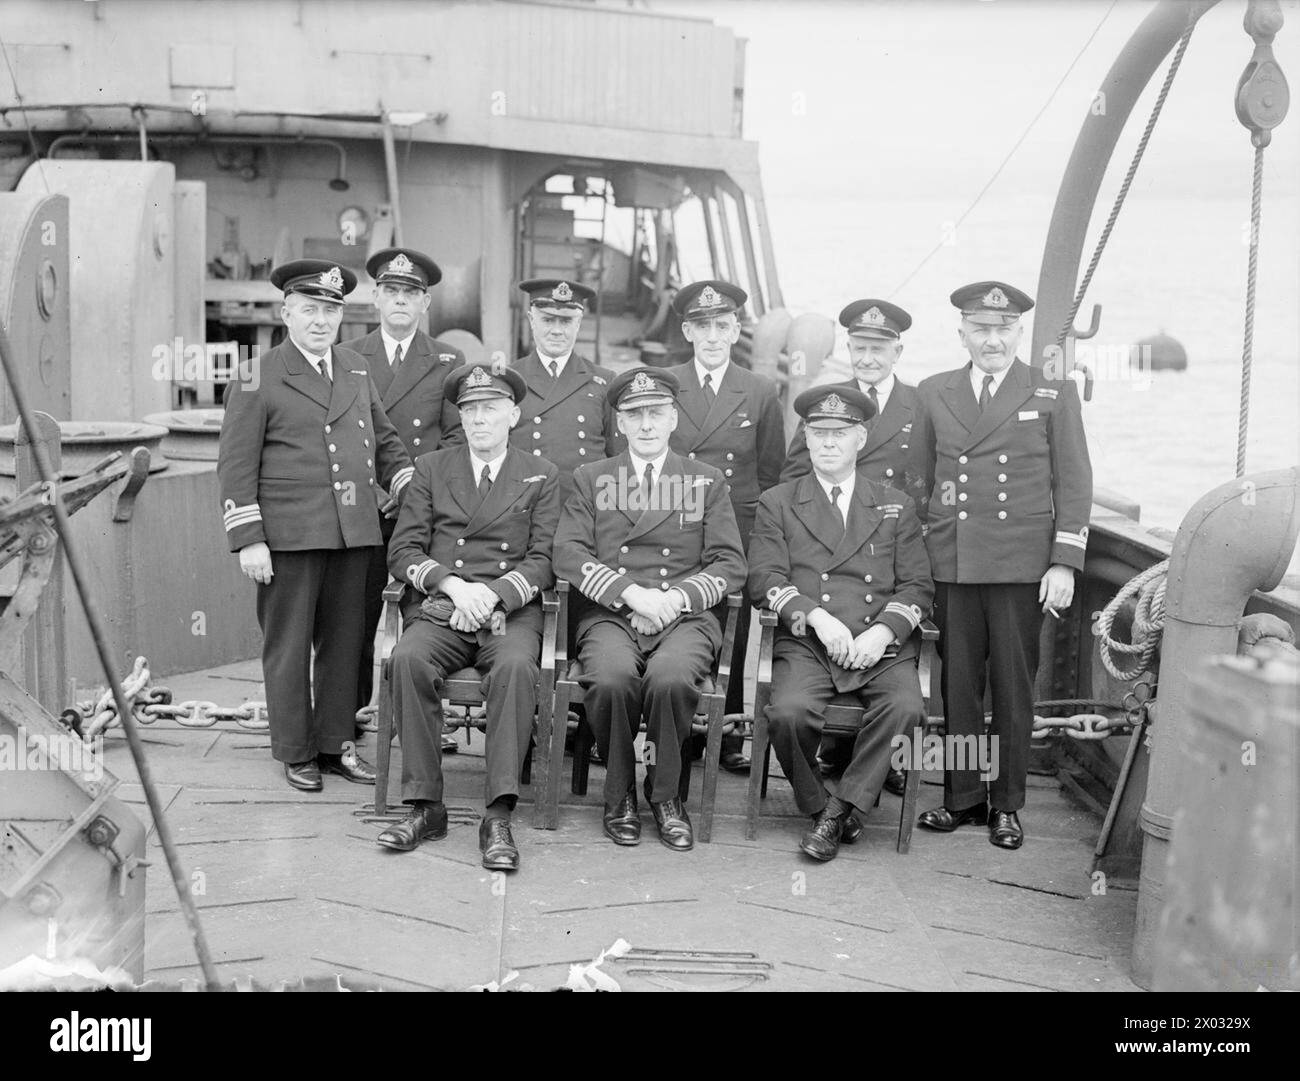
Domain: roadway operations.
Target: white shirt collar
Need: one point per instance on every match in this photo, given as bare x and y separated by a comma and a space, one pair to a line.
316, 361
557, 362
715, 373
476, 465
883, 390
639, 464
845, 487
390, 343
977, 375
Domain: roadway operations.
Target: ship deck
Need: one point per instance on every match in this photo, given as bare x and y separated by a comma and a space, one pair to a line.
291, 886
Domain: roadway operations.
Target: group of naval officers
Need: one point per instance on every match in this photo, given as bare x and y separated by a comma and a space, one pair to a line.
655, 494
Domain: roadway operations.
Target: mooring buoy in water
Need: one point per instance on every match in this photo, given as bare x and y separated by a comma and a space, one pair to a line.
1161, 353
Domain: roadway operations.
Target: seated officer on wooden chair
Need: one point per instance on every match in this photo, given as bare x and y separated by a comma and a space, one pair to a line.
473, 545
840, 556
650, 541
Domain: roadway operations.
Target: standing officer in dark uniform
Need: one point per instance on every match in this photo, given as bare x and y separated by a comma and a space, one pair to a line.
565, 416
473, 544
730, 418
890, 455
297, 468
649, 539
840, 560
409, 368
1010, 483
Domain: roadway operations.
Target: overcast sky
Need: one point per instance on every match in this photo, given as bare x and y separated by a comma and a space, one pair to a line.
888, 99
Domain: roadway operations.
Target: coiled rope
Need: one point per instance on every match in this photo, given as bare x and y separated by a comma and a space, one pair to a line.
1127, 660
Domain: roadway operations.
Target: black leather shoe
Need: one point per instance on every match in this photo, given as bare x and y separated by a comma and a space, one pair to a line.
851, 830
424, 823
1004, 829
623, 821
450, 745
943, 820
734, 762
349, 765
497, 846
674, 825
303, 775
896, 782
822, 842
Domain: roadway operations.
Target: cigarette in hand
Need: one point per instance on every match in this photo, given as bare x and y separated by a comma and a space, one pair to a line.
1051, 611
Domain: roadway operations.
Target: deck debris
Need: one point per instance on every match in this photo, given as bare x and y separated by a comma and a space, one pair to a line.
590, 977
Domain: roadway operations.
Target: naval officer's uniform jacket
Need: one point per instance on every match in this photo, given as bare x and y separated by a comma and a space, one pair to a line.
871, 569
300, 464
612, 535
504, 542
1009, 494
414, 401
412, 395
566, 420
891, 454
742, 433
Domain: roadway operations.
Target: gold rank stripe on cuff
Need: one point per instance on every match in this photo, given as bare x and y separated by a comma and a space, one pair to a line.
891, 510
526, 591
401, 478
596, 578
416, 572
779, 598
909, 612
1045, 392
1078, 540
234, 516
711, 588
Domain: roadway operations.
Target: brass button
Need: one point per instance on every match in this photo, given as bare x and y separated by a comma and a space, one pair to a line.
622, 570
624, 549
866, 578
826, 596
460, 542
1002, 458
502, 566
335, 467
1002, 497
582, 419
889, 472
328, 429
668, 551
537, 435
962, 479
963, 459
537, 420
663, 585
337, 486
370, 463
460, 562
726, 472
538, 453
582, 435
365, 442
361, 424
962, 515
1002, 478
416, 422
868, 598
581, 450
1002, 514
691, 456
415, 441
333, 448
663, 571
730, 457
961, 496
825, 576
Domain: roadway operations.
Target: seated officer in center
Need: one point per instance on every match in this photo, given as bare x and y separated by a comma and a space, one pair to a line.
473, 545
650, 541
839, 558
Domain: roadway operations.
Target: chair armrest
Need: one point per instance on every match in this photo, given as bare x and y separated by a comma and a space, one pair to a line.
767, 618
767, 637
561, 596
929, 632
390, 620
722, 669
550, 631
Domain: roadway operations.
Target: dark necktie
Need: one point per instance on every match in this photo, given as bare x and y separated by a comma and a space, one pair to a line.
708, 389
397, 355
986, 392
649, 484
836, 492
324, 370
485, 482
551, 369
875, 400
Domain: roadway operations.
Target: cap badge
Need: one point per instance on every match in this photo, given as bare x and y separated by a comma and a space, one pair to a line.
332, 278
833, 404
643, 384
562, 292
400, 265
478, 378
708, 298
874, 316
996, 298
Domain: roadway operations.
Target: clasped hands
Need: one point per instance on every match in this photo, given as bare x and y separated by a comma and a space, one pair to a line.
653, 609
474, 603
845, 650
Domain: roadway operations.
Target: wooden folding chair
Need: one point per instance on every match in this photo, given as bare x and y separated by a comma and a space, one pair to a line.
463, 688
844, 716
569, 691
